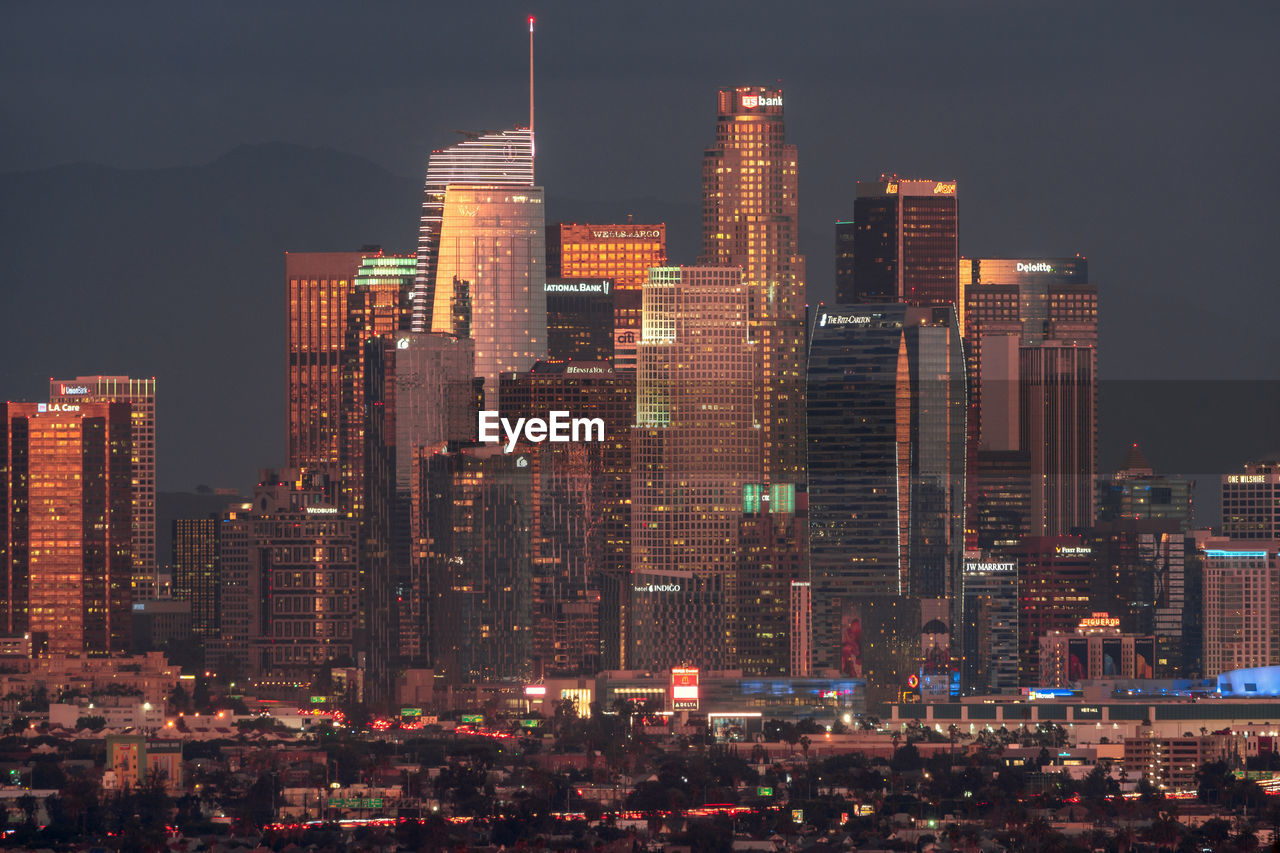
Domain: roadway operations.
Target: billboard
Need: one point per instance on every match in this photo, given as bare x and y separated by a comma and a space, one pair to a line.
851, 663
935, 637
684, 689
1144, 657
1077, 660
1111, 650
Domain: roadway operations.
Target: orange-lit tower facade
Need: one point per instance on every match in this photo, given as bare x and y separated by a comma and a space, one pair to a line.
67, 558
750, 219
319, 284
624, 254
140, 394
320, 287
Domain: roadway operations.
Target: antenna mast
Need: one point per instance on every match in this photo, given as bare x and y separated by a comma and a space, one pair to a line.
531, 140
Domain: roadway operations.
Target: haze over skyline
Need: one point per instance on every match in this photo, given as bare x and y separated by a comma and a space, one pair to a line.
1140, 136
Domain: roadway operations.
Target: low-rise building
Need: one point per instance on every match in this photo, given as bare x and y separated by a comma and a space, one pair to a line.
1172, 762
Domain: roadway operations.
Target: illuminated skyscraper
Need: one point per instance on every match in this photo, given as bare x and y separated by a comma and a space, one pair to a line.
1031, 335
1139, 576
289, 583
502, 159
581, 524
623, 254
140, 394
319, 286
989, 625
1053, 583
887, 453
196, 574
491, 278
421, 394
1251, 502
379, 305
772, 545
472, 515
1058, 415
695, 461
750, 219
66, 537
1241, 604
580, 319
904, 242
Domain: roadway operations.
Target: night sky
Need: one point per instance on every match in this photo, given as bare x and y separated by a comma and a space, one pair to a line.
1142, 135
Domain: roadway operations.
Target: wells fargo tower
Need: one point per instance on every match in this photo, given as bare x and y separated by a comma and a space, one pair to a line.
750, 218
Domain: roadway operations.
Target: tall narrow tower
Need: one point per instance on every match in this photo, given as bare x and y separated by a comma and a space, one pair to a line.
140, 394
750, 219
65, 523
502, 159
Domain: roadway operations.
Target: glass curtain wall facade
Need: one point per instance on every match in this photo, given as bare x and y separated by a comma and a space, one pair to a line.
140, 394
905, 244
472, 535
491, 278
502, 159
695, 457
750, 219
421, 395
67, 548
886, 449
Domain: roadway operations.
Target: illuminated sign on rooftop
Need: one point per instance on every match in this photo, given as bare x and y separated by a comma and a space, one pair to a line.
627, 234
975, 568
601, 287
1100, 620
845, 319
752, 102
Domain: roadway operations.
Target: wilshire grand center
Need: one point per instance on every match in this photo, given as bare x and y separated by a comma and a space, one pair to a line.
482, 253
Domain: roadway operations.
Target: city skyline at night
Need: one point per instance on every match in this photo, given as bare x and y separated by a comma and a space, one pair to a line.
863, 431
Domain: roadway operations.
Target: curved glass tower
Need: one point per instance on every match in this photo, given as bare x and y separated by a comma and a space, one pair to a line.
503, 159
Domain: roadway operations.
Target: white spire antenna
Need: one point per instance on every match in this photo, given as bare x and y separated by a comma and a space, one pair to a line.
531, 140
